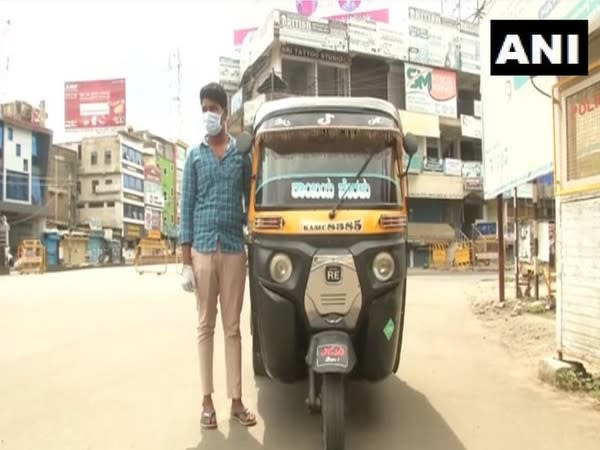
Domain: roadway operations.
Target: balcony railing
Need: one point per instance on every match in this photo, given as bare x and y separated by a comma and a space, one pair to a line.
444, 178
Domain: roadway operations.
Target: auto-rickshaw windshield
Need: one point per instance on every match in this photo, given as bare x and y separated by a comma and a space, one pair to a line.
316, 173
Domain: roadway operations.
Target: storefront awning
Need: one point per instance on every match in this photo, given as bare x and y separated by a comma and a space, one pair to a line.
420, 124
430, 232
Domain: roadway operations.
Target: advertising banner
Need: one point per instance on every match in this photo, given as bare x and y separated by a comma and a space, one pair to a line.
453, 167
433, 39
470, 57
470, 126
152, 219
526, 152
95, 104
313, 33
379, 39
229, 72
430, 90
153, 193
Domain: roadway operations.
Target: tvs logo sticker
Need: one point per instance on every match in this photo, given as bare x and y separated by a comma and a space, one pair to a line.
307, 7
349, 5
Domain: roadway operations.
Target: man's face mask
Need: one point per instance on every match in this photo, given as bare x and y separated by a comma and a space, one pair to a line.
212, 123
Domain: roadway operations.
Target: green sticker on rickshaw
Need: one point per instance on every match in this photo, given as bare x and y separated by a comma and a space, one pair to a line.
388, 329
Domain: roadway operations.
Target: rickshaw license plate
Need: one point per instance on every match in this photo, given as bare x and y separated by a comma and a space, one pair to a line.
332, 355
333, 274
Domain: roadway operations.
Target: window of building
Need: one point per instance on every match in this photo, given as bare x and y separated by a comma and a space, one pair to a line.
107, 157
133, 212
17, 186
133, 183
433, 148
132, 155
108, 181
9, 134
79, 188
18, 149
110, 204
79, 152
300, 77
94, 158
96, 204
25, 165
95, 184
333, 81
36, 191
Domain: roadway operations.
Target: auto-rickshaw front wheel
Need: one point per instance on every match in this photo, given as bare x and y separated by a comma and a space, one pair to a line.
332, 411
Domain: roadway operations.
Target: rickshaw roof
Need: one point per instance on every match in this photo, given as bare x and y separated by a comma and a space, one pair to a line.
291, 105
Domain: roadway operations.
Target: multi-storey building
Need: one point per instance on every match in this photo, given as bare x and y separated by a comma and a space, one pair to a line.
180, 157
24, 152
111, 186
434, 83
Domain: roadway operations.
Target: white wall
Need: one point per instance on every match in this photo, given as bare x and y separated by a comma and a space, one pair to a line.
11, 160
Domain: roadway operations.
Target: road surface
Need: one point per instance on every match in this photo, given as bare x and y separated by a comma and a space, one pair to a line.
105, 359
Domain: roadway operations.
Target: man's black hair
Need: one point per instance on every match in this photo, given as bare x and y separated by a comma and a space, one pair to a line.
214, 92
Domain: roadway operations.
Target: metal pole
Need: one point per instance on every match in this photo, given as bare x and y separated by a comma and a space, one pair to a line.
516, 245
55, 189
501, 265
536, 277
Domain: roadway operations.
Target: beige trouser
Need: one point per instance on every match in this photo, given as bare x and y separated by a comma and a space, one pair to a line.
223, 276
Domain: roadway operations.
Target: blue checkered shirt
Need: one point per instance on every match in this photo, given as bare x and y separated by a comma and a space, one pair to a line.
214, 198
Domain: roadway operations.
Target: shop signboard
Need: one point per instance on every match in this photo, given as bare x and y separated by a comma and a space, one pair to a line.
430, 90
314, 33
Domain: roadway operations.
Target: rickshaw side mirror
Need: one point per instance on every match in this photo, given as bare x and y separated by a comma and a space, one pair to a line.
244, 142
410, 144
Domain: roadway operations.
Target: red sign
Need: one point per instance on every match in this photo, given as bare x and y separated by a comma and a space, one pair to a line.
332, 351
95, 104
152, 173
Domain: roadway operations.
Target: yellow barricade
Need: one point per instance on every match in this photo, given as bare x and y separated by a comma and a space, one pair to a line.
438, 256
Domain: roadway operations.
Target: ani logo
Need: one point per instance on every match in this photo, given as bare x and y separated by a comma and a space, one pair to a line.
307, 7
349, 5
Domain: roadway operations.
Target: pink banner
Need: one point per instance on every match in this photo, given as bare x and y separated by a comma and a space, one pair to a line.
378, 15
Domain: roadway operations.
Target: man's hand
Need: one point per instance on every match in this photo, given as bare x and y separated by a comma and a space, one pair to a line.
187, 278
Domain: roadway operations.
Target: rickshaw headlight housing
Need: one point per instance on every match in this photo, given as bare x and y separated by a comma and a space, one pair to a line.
281, 268
383, 266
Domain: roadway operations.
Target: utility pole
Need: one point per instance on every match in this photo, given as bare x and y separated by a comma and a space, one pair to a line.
5, 28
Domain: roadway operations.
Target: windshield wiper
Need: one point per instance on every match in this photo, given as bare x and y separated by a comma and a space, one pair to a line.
343, 197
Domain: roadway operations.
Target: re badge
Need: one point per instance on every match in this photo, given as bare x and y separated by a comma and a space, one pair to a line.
539, 47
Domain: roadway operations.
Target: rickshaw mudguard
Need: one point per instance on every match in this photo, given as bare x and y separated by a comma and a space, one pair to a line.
277, 330
382, 331
331, 352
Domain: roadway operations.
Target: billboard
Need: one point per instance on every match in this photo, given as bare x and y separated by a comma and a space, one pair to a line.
95, 104
430, 90
526, 152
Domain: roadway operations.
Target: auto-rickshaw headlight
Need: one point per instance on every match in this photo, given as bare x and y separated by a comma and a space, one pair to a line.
281, 268
383, 266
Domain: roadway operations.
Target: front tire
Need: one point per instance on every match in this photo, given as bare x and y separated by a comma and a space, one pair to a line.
332, 411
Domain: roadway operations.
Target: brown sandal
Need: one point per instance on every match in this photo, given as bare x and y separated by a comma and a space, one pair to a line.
245, 417
209, 419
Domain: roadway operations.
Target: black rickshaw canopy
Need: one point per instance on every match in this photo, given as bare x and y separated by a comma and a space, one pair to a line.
358, 114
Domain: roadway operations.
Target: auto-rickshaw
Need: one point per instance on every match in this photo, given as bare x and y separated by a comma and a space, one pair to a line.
327, 250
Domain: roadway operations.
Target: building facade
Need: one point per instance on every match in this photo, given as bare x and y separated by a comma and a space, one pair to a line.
63, 171
24, 157
111, 187
435, 89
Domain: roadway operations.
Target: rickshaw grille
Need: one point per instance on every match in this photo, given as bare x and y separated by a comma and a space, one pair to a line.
323, 298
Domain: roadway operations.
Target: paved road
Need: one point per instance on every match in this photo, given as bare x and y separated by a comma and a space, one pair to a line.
105, 359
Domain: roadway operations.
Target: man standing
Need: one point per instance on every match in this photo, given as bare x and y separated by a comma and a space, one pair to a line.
216, 180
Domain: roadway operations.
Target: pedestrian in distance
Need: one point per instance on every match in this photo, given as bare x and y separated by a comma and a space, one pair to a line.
215, 189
